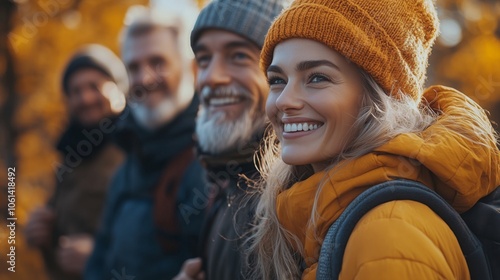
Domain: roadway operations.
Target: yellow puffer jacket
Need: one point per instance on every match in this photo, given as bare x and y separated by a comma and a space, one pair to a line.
400, 239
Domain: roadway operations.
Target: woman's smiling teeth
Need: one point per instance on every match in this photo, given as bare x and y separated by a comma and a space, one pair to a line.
296, 127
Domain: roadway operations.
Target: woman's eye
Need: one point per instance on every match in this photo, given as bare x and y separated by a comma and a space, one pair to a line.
316, 78
275, 81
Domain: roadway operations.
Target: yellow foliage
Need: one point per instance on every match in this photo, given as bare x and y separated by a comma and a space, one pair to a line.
474, 69
45, 35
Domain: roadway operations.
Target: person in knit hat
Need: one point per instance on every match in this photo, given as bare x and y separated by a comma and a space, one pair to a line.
349, 111
94, 83
226, 40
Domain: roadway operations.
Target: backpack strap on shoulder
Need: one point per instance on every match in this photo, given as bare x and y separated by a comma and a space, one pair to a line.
333, 247
483, 219
167, 225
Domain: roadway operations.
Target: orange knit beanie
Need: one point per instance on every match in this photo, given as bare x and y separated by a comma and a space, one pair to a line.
390, 39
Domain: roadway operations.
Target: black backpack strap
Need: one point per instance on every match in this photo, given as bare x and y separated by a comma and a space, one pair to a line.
333, 247
484, 221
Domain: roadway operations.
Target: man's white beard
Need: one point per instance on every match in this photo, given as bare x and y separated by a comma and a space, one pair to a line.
165, 111
152, 118
217, 135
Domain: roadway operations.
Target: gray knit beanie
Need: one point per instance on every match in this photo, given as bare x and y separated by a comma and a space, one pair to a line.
100, 58
248, 18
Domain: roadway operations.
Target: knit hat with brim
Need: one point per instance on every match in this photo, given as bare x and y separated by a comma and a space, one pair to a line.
389, 39
248, 18
101, 59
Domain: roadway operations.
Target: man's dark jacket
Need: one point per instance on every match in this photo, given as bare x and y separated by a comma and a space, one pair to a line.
82, 182
130, 243
231, 212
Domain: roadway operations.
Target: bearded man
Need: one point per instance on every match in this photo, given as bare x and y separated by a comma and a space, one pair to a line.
144, 233
226, 40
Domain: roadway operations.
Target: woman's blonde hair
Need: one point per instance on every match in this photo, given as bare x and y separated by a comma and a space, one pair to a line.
380, 119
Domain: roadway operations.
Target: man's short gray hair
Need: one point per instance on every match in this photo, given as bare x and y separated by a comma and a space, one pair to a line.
179, 17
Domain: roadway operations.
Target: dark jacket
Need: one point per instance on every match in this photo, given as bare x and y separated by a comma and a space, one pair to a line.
130, 242
81, 187
231, 211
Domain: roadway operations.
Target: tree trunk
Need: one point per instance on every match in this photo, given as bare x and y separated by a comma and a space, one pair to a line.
8, 98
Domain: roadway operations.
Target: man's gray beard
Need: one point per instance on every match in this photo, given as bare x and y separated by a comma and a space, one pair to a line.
152, 118
165, 111
217, 135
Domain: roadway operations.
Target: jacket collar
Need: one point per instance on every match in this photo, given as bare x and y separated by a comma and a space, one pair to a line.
76, 133
240, 159
154, 148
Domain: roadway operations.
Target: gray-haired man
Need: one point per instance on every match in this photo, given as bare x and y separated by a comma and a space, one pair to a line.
145, 232
226, 40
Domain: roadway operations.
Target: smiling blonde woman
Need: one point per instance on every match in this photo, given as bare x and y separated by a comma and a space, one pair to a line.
349, 111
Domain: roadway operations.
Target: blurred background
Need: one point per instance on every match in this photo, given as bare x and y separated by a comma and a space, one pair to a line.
38, 37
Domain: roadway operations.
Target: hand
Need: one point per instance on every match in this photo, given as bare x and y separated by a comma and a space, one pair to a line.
40, 226
74, 251
191, 270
